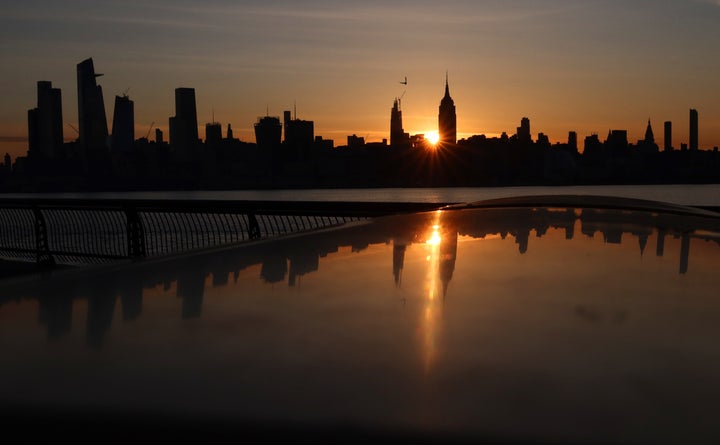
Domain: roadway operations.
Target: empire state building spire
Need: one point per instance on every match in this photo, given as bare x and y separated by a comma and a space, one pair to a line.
447, 121
447, 86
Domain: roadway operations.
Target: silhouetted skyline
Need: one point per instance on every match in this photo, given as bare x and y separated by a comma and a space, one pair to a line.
290, 154
569, 66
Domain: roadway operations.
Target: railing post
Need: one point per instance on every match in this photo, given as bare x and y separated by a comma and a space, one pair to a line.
42, 248
135, 234
254, 227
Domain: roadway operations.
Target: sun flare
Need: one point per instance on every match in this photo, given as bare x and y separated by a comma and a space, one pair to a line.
433, 137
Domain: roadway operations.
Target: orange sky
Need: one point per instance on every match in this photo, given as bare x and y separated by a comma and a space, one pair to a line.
586, 66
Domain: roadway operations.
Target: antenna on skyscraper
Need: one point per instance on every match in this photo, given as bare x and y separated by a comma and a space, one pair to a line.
295, 109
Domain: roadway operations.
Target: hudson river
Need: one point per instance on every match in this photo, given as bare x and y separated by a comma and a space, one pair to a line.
697, 195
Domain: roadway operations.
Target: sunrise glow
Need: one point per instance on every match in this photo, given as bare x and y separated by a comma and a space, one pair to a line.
432, 137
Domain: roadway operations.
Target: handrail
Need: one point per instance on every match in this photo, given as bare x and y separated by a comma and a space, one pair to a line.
318, 208
82, 230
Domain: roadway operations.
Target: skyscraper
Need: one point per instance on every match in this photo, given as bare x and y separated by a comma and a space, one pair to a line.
447, 121
693, 129
45, 125
649, 135
523, 131
572, 141
398, 137
268, 132
123, 127
91, 109
667, 141
183, 126
213, 133
299, 137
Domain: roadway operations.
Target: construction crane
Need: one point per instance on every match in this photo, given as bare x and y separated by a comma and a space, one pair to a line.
147, 136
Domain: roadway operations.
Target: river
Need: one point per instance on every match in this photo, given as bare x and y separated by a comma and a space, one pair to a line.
694, 194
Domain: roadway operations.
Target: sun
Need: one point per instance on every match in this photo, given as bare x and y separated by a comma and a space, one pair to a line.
433, 137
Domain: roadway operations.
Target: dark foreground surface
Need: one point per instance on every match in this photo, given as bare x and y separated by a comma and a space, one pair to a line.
543, 323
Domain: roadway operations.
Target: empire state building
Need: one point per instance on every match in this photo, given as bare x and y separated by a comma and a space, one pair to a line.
447, 121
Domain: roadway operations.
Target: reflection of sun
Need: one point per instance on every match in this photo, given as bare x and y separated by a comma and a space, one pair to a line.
430, 321
435, 237
433, 137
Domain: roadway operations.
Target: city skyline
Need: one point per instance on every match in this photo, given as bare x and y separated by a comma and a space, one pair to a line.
587, 68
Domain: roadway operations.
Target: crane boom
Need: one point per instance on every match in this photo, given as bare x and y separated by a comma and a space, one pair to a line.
147, 136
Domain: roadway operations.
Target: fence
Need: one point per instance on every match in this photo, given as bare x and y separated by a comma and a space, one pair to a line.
83, 231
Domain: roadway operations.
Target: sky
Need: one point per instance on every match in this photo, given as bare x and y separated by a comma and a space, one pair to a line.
568, 65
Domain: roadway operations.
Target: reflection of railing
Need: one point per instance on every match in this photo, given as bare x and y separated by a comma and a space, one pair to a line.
77, 231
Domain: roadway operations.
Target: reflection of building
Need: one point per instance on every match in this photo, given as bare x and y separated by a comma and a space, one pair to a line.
191, 289
302, 262
123, 127
45, 124
101, 308
131, 299
447, 121
91, 109
684, 252
183, 126
398, 262
55, 311
274, 268
660, 249
448, 254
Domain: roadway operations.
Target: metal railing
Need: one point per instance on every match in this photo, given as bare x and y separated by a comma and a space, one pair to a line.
86, 231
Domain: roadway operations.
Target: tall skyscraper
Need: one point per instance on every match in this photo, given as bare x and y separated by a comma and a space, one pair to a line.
123, 127
447, 121
91, 109
693, 129
649, 135
572, 141
213, 133
523, 131
183, 126
398, 137
45, 125
667, 141
299, 137
268, 133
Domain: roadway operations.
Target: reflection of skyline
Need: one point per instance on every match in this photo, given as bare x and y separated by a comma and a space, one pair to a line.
294, 258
